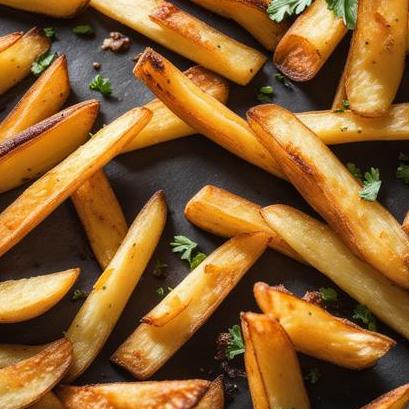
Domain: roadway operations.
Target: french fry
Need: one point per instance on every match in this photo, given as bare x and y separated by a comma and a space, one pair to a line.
137, 395
36, 150
366, 226
395, 399
61, 8
325, 251
377, 57
26, 382
186, 35
48, 401
345, 127
21, 300
225, 214
9, 39
16, 60
99, 314
165, 125
252, 15
315, 332
214, 397
185, 309
43, 196
272, 367
309, 42
202, 112
43, 99
340, 94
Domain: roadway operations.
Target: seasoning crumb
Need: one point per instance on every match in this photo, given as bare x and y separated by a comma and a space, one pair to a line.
116, 42
96, 65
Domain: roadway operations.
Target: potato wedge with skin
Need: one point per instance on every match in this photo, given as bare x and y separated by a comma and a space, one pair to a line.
26, 382
377, 57
226, 214
9, 39
186, 35
316, 332
44, 195
202, 112
99, 314
47, 95
165, 125
21, 300
309, 42
367, 227
135, 395
61, 8
36, 150
395, 399
187, 307
272, 367
325, 251
16, 60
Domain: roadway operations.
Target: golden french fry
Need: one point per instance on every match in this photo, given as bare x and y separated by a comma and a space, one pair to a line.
61, 8
366, 226
315, 332
202, 112
340, 94
9, 39
44, 195
272, 367
16, 60
21, 300
214, 397
185, 309
99, 314
48, 401
309, 42
377, 57
395, 399
43, 99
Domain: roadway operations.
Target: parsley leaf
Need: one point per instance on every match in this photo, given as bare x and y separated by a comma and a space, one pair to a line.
313, 375
83, 29
197, 259
283, 79
43, 62
159, 269
102, 85
278, 10
403, 172
372, 184
328, 295
354, 170
345, 106
50, 33
236, 345
185, 246
265, 93
346, 9
361, 313
163, 291
79, 294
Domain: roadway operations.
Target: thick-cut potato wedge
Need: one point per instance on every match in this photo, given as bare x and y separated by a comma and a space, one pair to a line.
21, 300
252, 15
325, 251
226, 214
396, 399
309, 42
26, 382
316, 332
43, 99
377, 57
9, 39
180, 32
344, 127
99, 314
214, 397
165, 125
36, 150
367, 227
340, 94
101, 215
43, 196
185, 309
202, 112
137, 395
16, 60
60, 8
272, 367
48, 401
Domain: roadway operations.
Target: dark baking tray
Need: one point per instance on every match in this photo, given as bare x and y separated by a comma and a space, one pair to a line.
181, 168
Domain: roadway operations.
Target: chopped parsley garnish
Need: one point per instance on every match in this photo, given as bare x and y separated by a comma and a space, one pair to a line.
83, 29
403, 169
283, 79
235, 344
163, 291
197, 259
354, 170
187, 248
79, 294
102, 85
159, 269
313, 375
345, 106
50, 33
265, 93
372, 184
328, 295
345, 9
43, 62
278, 10
362, 314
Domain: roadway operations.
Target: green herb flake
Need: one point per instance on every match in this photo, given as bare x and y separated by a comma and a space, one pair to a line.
313, 375
345, 106
345, 9
283, 79
363, 315
278, 10
328, 295
354, 170
83, 29
236, 344
159, 269
50, 32
402, 173
372, 184
188, 250
79, 294
102, 85
265, 94
197, 259
43, 62
163, 291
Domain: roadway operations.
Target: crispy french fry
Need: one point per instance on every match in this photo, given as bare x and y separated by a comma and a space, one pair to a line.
136, 395
48, 401
226, 214
252, 15
325, 251
181, 32
272, 367
185, 309
377, 57
165, 125
61, 8
202, 112
344, 127
36, 150
366, 226
340, 94
26, 382
315, 332
21, 300
43, 196
309, 42
214, 397
16, 60
43, 99
395, 399
9, 39
99, 314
